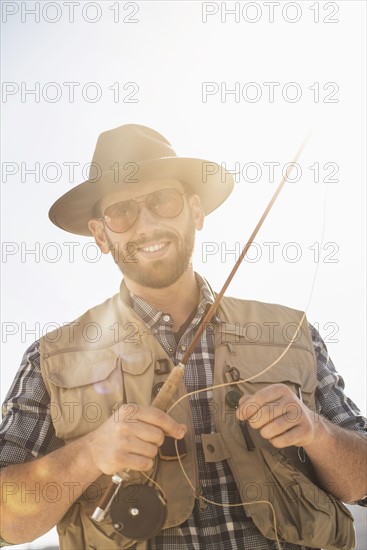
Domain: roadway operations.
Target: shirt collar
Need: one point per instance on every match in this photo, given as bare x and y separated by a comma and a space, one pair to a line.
152, 317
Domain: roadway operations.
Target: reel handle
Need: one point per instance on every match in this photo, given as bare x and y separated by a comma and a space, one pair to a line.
161, 401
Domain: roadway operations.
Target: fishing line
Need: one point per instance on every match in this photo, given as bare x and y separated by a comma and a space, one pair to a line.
263, 371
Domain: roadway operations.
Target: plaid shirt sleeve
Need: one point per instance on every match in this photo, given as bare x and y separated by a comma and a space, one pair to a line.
331, 401
27, 431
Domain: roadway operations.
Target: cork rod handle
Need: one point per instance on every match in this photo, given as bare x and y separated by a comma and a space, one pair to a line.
162, 401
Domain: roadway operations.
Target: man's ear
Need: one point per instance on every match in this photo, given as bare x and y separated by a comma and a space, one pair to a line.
97, 229
197, 211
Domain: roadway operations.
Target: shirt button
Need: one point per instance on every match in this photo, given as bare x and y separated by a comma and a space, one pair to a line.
166, 318
183, 347
170, 350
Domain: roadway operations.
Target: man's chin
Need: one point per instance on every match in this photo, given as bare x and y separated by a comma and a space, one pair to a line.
159, 274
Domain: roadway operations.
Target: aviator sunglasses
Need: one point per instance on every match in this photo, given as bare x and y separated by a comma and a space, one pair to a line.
165, 203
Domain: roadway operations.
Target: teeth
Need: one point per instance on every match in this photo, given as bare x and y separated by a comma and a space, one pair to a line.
153, 248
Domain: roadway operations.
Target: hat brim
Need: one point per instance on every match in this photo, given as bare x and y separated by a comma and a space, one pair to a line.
207, 179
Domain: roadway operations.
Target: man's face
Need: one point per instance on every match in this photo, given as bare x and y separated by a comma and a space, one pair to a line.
156, 250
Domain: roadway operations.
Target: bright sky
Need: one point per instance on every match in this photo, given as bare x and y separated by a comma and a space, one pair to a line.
242, 89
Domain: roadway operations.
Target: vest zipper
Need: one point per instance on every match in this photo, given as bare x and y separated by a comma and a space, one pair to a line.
272, 344
198, 488
67, 350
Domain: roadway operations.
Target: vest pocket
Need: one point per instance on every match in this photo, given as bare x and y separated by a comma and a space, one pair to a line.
86, 388
137, 377
84, 534
295, 372
306, 515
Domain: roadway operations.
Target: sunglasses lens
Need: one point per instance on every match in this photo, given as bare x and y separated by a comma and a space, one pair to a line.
122, 215
165, 203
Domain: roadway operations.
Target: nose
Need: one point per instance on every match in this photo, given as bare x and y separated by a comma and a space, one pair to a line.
147, 220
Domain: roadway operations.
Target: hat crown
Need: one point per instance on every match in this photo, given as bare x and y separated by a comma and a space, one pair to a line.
128, 144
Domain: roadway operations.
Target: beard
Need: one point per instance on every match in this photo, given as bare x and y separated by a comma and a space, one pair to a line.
159, 273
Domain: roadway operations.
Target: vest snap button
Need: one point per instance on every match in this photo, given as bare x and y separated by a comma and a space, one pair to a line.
157, 388
232, 398
210, 448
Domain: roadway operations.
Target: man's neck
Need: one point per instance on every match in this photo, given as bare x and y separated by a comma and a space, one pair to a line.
178, 300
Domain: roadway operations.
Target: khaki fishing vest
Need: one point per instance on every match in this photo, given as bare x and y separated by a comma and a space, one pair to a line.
108, 357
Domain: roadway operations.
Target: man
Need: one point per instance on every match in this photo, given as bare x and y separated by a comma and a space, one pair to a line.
271, 440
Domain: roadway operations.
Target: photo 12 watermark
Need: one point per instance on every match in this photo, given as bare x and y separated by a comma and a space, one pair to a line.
269, 171
271, 251
91, 13
70, 252
269, 92
249, 171
270, 12
69, 92
53, 491
67, 172
94, 333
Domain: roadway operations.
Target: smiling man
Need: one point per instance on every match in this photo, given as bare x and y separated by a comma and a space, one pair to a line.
266, 462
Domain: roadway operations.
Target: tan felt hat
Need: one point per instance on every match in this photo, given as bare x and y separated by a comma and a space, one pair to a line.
130, 155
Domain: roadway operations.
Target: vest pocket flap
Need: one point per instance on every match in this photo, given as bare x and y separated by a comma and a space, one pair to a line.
136, 363
279, 374
70, 375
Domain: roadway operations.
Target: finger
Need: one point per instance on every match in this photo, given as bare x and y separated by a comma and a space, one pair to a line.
162, 420
249, 406
149, 433
293, 436
288, 409
276, 428
137, 463
136, 446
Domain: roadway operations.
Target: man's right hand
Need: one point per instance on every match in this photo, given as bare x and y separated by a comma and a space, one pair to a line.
130, 438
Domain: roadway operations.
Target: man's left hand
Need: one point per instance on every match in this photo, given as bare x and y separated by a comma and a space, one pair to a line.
279, 415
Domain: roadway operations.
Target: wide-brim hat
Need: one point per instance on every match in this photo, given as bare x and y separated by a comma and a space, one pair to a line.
131, 155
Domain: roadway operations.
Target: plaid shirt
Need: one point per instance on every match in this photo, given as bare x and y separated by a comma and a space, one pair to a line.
27, 431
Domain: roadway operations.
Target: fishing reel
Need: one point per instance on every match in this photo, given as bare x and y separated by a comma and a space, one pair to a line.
138, 511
